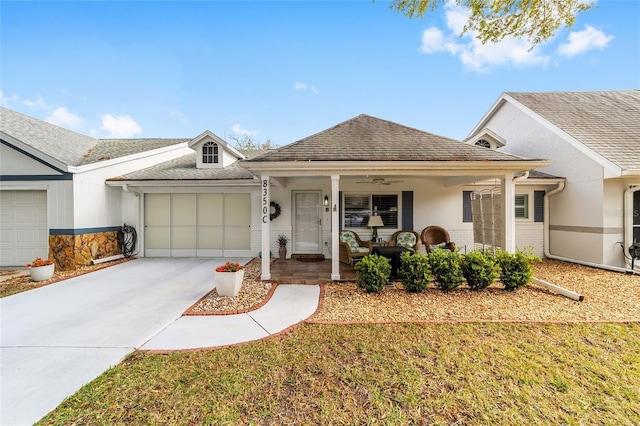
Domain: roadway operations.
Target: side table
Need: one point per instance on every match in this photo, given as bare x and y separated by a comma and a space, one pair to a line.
393, 254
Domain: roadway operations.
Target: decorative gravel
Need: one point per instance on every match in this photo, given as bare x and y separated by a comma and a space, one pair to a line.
252, 293
608, 296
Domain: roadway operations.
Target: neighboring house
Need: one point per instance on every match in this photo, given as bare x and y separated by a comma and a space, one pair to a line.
202, 197
53, 197
593, 140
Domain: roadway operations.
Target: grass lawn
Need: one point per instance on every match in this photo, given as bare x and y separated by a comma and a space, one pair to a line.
477, 373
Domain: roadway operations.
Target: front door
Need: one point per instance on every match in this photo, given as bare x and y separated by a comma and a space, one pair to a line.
307, 226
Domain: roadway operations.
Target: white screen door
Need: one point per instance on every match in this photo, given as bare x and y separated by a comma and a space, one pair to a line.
307, 222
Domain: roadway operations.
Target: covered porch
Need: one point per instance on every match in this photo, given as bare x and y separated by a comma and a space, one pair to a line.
371, 158
293, 271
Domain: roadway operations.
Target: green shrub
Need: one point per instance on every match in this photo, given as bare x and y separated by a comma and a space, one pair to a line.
414, 271
480, 269
446, 267
515, 268
373, 272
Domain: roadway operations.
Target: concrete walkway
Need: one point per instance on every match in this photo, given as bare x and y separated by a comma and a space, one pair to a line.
57, 338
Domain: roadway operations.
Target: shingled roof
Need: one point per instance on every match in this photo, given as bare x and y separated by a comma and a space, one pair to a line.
69, 147
58, 143
607, 122
366, 138
184, 168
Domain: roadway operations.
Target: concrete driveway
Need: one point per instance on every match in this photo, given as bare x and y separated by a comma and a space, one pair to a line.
56, 338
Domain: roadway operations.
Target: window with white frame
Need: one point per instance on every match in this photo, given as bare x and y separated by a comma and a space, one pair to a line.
483, 143
636, 217
210, 153
358, 208
522, 206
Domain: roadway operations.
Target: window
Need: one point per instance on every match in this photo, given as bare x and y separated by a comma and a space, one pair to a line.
358, 208
483, 143
522, 206
210, 153
636, 217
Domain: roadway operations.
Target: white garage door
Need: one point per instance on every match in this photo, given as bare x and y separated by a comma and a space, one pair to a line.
197, 225
23, 227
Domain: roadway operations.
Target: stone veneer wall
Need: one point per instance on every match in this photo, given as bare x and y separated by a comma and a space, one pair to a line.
72, 251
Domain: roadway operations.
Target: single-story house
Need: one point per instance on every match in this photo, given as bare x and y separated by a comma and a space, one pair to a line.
65, 195
593, 140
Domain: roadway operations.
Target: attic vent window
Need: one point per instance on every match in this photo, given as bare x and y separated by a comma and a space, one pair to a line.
483, 143
210, 153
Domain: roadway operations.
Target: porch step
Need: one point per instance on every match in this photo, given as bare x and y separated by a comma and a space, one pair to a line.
308, 257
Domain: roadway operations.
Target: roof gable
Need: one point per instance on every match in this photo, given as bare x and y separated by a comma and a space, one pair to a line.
60, 144
366, 138
605, 123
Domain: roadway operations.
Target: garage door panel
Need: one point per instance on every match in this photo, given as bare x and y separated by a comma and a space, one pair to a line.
237, 238
158, 237
23, 226
237, 209
184, 210
210, 211
157, 209
210, 237
197, 224
184, 237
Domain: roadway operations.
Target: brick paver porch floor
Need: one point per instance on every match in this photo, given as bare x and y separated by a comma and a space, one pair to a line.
291, 271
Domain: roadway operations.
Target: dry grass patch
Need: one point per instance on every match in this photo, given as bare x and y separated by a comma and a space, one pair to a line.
473, 374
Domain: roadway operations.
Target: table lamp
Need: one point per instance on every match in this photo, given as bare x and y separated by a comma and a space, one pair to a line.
375, 222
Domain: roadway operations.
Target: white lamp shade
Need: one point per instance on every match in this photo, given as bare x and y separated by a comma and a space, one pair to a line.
375, 221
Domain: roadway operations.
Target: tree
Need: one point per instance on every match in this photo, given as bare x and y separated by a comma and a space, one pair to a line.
249, 145
493, 20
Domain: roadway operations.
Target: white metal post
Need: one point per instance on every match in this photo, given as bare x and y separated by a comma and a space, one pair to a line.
265, 215
335, 228
509, 212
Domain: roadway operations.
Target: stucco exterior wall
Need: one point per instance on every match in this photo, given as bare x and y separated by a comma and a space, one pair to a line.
99, 205
576, 214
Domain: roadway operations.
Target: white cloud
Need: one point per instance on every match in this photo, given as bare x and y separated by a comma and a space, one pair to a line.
38, 103
120, 127
64, 118
303, 86
239, 130
582, 41
479, 57
6, 100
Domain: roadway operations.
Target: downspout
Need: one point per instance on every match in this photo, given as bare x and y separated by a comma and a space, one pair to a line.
628, 220
547, 252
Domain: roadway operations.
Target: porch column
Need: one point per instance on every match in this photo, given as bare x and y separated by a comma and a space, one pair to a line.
509, 212
265, 211
335, 227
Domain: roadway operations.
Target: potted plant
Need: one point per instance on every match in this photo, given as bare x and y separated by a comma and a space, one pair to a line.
282, 243
41, 269
229, 279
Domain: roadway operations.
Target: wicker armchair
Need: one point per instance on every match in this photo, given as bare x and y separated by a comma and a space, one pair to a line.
436, 237
406, 238
352, 248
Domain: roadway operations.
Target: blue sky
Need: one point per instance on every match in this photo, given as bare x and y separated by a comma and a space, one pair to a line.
285, 70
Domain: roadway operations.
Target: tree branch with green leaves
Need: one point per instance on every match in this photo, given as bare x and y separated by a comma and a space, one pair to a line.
493, 20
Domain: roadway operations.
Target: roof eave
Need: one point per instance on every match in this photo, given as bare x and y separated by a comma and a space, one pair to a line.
126, 158
137, 183
425, 168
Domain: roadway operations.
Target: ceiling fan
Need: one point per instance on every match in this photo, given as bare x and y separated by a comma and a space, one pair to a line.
381, 181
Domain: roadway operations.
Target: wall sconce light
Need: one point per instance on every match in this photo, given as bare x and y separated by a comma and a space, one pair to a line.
326, 201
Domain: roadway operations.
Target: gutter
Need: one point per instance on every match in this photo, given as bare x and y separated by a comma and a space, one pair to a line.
547, 252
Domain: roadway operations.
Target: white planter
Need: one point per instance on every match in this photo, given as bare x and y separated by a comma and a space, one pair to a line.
41, 273
229, 283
